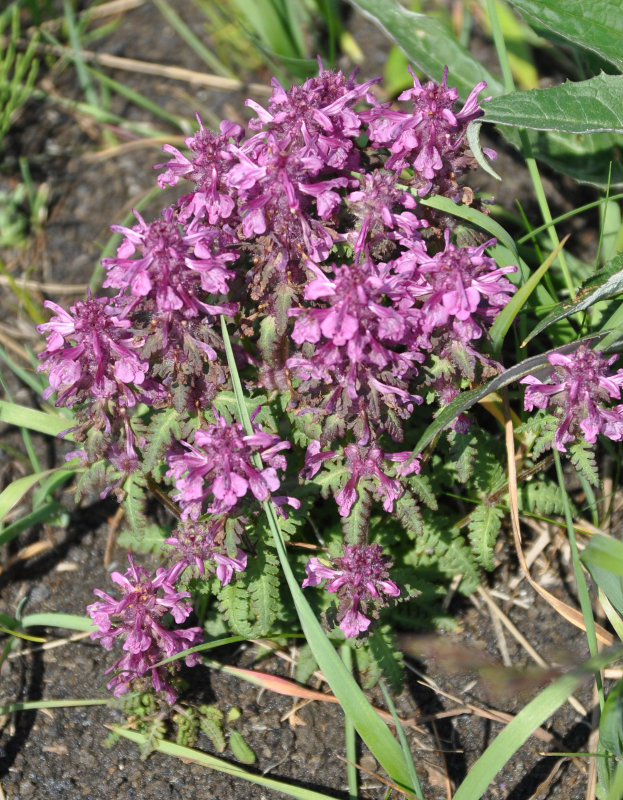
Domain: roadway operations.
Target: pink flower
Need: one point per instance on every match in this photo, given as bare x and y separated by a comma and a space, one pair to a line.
218, 466
581, 385
360, 578
91, 354
196, 544
137, 619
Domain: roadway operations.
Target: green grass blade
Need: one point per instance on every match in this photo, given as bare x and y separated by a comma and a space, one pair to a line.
505, 318
32, 705
13, 493
53, 619
220, 765
41, 514
193, 41
350, 734
522, 726
403, 741
369, 725
34, 420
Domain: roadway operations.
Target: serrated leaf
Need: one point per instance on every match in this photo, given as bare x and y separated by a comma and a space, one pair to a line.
355, 525
484, 525
429, 45
582, 456
241, 749
591, 106
408, 513
211, 723
150, 540
134, 504
264, 589
596, 25
162, 429
388, 657
603, 285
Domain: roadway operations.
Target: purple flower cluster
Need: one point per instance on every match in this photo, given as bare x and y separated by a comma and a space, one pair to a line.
137, 618
196, 545
219, 465
581, 386
360, 578
307, 229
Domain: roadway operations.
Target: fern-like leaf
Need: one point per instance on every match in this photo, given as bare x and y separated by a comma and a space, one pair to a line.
134, 504
161, 431
211, 723
263, 587
407, 511
582, 456
386, 659
355, 525
541, 496
484, 525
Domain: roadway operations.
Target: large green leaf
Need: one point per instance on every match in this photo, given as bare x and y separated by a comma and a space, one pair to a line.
604, 284
429, 45
591, 106
596, 25
585, 157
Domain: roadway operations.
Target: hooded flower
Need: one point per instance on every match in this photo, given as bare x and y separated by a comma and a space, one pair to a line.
360, 578
91, 354
218, 469
137, 618
581, 386
197, 544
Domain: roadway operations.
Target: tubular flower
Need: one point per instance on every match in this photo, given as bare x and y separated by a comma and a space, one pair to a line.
459, 289
197, 544
360, 578
90, 354
581, 385
218, 466
173, 267
429, 139
137, 619
360, 339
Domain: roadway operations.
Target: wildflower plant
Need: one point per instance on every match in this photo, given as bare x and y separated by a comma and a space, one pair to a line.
290, 359
354, 313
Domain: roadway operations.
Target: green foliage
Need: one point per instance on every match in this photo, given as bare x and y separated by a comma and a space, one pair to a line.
541, 496
611, 735
186, 727
163, 428
582, 456
241, 749
591, 106
149, 539
380, 658
18, 71
211, 723
484, 525
134, 504
251, 603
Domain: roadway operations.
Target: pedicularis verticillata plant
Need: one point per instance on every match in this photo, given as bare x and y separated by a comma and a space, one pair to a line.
356, 312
